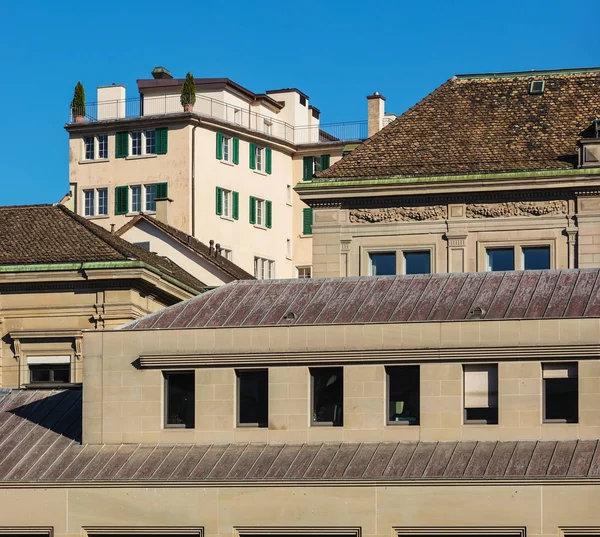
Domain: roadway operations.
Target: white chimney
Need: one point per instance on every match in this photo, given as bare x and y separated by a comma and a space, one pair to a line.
376, 112
111, 102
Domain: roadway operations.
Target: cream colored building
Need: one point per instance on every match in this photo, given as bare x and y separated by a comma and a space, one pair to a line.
227, 169
488, 172
377, 407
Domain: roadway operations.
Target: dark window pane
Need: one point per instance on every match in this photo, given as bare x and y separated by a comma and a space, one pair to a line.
253, 397
61, 373
50, 373
536, 258
417, 262
561, 399
39, 373
383, 264
328, 395
501, 259
487, 415
180, 399
403, 394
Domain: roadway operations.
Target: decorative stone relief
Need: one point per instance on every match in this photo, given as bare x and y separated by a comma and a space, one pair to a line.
518, 208
398, 214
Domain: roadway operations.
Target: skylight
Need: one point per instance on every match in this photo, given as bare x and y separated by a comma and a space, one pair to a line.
537, 87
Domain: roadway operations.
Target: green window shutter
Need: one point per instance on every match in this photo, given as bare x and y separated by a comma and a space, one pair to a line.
219, 201
219, 146
308, 168
307, 221
253, 156
162, 190
268, 160
122, 145
252, 210
162, 136
236, 150
236, 205
325, 162
121, 200
269, 214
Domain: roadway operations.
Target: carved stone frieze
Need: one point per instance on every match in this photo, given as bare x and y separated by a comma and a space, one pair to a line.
398, 214
516, 208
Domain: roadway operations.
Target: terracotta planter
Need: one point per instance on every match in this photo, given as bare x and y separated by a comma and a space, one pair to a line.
188, 107
78, 119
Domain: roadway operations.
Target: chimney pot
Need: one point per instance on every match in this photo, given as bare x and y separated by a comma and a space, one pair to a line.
375, 112
211, 246
160, 72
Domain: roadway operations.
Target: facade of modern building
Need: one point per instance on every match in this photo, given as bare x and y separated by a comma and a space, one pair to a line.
488, 172
60, 275
227, 168
431, 405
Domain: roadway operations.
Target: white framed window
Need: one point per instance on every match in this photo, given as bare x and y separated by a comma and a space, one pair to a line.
227, 203
288, 194
136, 199
95, 147
304, 272
142, 143
136, 143
150, 204
150, 142
260, 212
95, 202
264, 269
260, 151
226, 148
142, 198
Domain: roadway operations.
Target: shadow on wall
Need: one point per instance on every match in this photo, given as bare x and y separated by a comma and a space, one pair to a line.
48, 412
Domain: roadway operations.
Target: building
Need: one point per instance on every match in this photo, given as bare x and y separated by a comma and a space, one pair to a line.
227, 168
488, 172
210, 264
430, 405
61, 274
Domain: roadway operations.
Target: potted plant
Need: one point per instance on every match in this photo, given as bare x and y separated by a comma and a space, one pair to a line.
188, 93
78, 103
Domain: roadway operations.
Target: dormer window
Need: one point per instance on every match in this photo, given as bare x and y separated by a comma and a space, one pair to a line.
537, 87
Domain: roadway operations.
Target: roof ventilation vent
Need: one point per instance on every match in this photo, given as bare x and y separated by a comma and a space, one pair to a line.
476, 313
537, 87
290, 316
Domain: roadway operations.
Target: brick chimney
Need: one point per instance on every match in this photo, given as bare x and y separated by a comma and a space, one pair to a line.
163, 210
375, 113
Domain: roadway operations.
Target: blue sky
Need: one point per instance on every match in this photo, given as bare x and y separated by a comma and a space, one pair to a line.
335, 51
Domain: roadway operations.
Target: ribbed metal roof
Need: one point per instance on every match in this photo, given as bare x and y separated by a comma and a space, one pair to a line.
387, 299
40, 433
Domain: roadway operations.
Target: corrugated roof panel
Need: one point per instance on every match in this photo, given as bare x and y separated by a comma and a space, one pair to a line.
301, 301
541, 298
581, 293
314, 309
373, 301
390, 301
355, 301
562, 294
582, 458
464, 302
444, 304
504, 296
426, 303
410, 299
522, 296
337, 301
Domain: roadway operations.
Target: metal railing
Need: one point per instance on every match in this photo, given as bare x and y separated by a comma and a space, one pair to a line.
162, 105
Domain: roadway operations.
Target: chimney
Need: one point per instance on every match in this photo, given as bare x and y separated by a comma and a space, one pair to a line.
163, 210
160, 72
375, 113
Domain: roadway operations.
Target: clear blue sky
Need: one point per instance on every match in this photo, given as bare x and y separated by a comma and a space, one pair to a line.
335, 51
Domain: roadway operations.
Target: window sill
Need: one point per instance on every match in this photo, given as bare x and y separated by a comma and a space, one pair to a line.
49, 385
138, 213
560, 422
288, 204
252, 426
94, 161
258, 172
228, 218
97, 217
138, 157
227, 163
258, 226
178, 426
479, 422
325, 424
403, 423
303, 236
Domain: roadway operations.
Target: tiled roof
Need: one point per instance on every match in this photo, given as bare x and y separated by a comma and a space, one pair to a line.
387, 299
193, 244
51, 234
482, 124
40, 431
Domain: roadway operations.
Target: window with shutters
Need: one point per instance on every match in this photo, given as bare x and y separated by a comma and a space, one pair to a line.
226, 144
95, 147
264, 269
260, 212
480, 393
139, 198
228, 149
150, 142
136, 143
136, 198
95, 202
227, 203
307, 221
259, 158
561, 392
150, 198
143, 143
313, 165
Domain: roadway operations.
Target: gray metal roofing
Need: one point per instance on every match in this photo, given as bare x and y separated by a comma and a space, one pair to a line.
40, 433
387, 299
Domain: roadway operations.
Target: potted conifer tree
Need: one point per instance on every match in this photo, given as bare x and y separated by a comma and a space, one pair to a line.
78, 103
188, 93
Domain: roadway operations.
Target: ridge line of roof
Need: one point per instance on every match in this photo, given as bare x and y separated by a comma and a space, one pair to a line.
533, 72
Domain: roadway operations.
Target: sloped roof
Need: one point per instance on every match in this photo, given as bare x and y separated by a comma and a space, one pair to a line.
482, 124
40, 433
52, 234
193, 244
534, 294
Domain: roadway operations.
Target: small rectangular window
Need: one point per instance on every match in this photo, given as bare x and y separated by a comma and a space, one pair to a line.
150, 198
316, 164
179, 399
150, 142
88, 202
264, 269
327, 395
501, 259
253, 398
403, 384
225, 148
561, 392
260, 212
59, 373
259, 158
136, 143
227, 253
382, 263
536, 257
417, 262
304, 272
226, 202
103, 146
103, 201
481, 393
89, 147
136, 198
